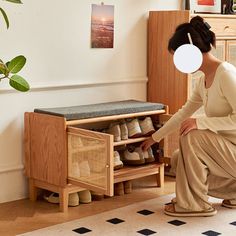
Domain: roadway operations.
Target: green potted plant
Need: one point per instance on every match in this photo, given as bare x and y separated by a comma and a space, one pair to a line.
10, 69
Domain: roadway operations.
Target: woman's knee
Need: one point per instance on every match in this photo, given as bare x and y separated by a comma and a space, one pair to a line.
194, 136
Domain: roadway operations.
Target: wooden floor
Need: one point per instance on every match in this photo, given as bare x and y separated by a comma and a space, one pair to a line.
22, 216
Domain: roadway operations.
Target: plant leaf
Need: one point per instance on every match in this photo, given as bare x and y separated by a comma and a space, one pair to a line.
5, 17
3, 69
19, 83
14, 1
16, 64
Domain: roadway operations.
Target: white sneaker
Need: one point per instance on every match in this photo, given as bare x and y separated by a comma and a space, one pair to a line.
132, 157
84, 169
148, 156
117, 162
134, 129
114, 129
124, 131
146, 126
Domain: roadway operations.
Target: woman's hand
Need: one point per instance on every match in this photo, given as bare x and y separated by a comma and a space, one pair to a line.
188, 125
147, 144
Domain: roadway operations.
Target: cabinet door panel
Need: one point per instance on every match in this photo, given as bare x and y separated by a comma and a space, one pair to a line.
90, 160
231, 51
219, 51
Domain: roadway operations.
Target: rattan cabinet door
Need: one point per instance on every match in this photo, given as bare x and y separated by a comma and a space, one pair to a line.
90, 160
231, 51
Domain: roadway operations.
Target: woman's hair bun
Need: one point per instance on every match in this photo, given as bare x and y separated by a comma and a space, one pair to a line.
203, 28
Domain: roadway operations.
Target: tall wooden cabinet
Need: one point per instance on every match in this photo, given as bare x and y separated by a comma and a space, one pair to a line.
165, 83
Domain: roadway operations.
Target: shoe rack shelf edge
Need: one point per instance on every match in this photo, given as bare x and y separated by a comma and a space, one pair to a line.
49, 152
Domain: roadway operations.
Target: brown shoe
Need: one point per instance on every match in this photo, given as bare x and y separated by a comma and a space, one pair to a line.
119, 189
128, 186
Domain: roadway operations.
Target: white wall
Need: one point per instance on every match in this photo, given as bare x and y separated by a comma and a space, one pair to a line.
62, 68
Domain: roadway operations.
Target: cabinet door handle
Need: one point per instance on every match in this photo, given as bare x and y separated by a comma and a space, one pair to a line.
226, 27
107, 166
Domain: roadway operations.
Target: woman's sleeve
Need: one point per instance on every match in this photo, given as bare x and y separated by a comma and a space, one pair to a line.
228, 89
193, 104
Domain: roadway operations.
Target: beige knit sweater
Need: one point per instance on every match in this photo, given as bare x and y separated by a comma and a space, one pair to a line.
219, 103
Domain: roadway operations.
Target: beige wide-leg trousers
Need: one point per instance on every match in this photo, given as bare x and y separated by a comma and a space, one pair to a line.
205, 165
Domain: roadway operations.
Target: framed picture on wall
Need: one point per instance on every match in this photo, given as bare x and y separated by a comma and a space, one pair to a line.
102, 26
204, 6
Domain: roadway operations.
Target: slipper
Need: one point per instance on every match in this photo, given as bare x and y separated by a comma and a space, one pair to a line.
173, 201
54, 198
229, 204
173, 212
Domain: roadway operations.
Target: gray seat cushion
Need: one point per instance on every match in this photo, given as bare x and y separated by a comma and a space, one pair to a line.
101, 109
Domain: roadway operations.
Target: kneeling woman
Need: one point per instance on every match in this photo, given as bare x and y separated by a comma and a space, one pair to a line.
206, 163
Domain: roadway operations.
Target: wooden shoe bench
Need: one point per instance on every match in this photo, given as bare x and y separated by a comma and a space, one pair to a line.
57, 137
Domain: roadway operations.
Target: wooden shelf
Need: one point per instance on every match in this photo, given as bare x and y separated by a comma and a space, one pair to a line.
114, 117
134, 172
131, 140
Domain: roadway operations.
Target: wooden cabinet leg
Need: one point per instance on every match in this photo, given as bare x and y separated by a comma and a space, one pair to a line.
63, 198
160, 176
32, 190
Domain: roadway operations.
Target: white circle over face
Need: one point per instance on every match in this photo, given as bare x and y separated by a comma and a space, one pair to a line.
187, 58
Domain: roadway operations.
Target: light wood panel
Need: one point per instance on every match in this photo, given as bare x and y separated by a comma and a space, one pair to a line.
27, 143
48, 153
129, 173
165, 83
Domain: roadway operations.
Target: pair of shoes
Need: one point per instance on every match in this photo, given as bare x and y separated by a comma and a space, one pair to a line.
118, 164
136, 156
229, 203
74, 198
171, 211
137, 128
79, 169
119, 131
54, 198
123, 188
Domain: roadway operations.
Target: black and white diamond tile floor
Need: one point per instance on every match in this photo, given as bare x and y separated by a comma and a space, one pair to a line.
146, 218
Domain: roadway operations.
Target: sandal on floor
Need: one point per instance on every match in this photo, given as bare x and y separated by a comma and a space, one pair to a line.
173, 201
229, 203
172, 212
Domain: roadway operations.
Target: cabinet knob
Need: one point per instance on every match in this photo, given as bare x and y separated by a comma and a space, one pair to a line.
107, 166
